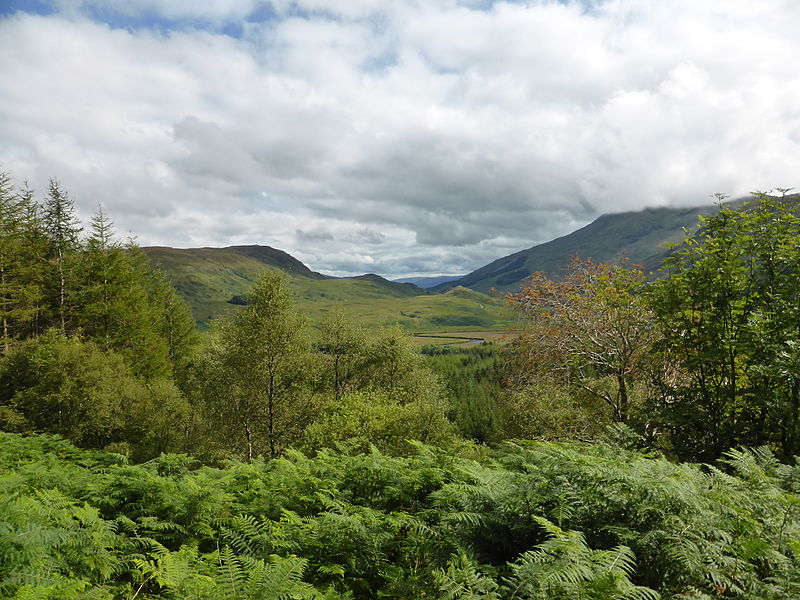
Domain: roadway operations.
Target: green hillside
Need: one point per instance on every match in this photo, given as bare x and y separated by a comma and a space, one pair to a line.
213, 280
641, 236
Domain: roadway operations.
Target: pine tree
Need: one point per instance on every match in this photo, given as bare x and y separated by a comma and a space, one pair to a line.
173, 322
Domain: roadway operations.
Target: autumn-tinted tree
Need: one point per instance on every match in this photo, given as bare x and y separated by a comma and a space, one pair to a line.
591, 331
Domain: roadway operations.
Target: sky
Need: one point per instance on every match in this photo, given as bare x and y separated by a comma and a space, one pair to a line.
400, 137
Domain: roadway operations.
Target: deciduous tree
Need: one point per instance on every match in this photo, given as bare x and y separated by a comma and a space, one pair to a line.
591, 330
264, 360
729, 310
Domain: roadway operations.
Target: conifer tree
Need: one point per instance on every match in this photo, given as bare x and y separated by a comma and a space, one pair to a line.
62, 230
173, 322
21, 260
116, 309
9, 240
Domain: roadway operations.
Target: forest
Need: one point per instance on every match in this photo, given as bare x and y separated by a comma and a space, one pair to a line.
635, 439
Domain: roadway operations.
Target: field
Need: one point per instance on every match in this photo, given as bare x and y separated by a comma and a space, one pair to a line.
460, 338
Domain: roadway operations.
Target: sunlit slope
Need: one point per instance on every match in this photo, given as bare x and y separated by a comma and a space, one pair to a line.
456, 310
640, 236
210, 278
207, 278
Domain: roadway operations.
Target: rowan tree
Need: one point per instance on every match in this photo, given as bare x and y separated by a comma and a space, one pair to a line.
729, 309
590, 330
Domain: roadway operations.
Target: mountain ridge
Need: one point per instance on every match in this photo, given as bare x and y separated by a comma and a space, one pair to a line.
639, 236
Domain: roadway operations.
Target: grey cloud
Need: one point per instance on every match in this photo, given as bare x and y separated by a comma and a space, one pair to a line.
367, 236
314, 236
459, 149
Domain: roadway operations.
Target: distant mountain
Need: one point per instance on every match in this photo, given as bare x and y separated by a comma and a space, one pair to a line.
395, 288
640, 236
232, 255
213, 280
428, 282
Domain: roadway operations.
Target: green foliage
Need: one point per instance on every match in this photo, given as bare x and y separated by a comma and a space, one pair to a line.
729, 311
547, 410
543, 520
70, 387
22, 264
261, 365
345, 353
471, 377
374, 418
565, 567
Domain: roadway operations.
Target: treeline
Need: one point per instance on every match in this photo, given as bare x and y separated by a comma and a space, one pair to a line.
92, 338
97, 347
704, 358
55, 275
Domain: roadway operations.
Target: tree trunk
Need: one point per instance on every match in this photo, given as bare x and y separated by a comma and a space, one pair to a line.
622, 399
6, 335
61, 293
249, 436
793, 422
271, 415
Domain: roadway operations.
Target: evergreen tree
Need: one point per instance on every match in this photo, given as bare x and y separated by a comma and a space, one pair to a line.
62, 230
21, 260
173, 322
115, 306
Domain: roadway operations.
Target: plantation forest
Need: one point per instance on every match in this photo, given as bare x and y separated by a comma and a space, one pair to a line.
635, 438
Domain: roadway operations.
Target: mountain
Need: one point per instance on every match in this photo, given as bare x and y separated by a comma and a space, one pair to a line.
189, 259
395, 288
215, 280
428, 282
641, 236
211, 279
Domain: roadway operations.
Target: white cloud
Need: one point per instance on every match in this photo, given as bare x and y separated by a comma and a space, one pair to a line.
387, 136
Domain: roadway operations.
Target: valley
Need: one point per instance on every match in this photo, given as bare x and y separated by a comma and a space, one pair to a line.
213, 281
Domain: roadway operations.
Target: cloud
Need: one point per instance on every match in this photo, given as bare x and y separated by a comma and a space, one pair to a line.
396, 137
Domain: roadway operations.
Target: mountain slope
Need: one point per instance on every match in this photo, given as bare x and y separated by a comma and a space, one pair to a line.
214, 280
209, 279
640, 236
